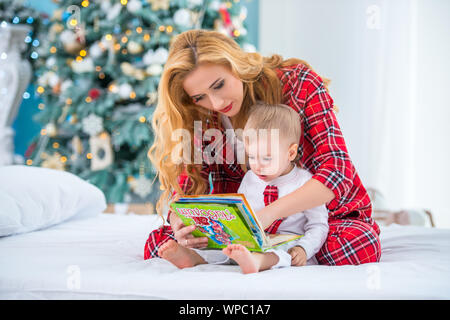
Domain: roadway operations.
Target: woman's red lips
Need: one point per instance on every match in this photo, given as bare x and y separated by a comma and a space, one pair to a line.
227, 108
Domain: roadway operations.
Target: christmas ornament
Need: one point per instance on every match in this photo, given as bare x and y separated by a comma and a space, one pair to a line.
51, 62
134, 6
94, 93
159, 4
85, 65
142, 186
95, 51
158, 56
51, 129
127, 68
125, 90
71, 42
182, 17
134, 47
92, 124
101, 150
49, 78
53, 162
154, 69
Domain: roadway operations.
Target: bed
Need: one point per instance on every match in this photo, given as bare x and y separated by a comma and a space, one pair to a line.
100, 256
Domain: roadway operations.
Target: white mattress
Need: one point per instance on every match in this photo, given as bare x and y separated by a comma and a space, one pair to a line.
102, 258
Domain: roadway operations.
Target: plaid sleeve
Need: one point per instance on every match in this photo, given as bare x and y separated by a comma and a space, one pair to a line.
330, 159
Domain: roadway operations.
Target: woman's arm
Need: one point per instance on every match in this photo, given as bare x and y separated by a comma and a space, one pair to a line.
310, 195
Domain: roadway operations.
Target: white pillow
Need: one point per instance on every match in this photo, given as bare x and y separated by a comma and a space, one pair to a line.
33, 198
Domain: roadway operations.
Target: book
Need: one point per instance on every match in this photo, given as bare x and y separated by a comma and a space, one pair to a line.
225, 219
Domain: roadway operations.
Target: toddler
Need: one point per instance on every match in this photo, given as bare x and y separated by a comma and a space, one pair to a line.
271, 137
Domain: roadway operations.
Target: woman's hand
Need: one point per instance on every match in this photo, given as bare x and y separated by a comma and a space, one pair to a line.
265, 217
298, 255
183, 234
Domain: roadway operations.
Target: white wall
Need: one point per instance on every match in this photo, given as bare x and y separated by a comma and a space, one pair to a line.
389, 65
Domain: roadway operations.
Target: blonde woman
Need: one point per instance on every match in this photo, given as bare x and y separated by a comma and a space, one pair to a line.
209, 80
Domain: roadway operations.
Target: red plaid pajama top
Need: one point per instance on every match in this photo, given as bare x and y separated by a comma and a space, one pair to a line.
353, 234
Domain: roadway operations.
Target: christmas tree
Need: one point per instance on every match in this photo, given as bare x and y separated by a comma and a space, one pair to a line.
98, 82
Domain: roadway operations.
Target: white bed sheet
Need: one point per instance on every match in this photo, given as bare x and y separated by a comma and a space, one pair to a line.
102, 258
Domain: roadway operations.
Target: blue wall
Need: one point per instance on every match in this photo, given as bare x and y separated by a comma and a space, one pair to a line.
26, 128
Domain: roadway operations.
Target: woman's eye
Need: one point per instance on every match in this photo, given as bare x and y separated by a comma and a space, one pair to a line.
197, 99
219, 85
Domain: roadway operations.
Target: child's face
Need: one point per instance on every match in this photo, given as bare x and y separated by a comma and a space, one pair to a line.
269, 161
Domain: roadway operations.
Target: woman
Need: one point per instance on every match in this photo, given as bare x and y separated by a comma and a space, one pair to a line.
208, 78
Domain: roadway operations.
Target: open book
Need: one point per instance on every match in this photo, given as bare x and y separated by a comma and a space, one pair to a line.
225, 219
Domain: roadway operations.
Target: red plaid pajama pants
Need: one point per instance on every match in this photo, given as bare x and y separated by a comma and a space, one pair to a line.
349, 241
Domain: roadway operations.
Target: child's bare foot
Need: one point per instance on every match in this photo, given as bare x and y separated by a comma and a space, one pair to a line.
248, 262
178, 255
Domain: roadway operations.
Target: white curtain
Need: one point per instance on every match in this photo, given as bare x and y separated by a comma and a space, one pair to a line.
389, 65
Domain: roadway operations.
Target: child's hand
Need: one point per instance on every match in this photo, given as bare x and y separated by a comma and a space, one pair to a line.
298, 255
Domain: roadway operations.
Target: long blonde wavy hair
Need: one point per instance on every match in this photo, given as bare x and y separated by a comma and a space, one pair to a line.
176, 110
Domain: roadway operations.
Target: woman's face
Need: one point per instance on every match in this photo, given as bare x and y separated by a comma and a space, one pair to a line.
214, 87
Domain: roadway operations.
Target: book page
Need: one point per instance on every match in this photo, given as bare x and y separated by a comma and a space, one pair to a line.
279, 239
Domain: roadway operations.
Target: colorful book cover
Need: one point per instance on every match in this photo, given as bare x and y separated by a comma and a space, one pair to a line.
226, 219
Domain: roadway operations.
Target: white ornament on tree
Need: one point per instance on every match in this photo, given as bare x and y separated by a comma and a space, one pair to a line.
154, 69
125, 90
95, 51
141, 186
160, 56
49, 78
51, 129
134, 6
51, 62
92, 124
101, 150
182, 17
85, 65
134, 47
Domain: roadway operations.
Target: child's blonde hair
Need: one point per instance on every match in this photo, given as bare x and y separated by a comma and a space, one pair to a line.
275, 116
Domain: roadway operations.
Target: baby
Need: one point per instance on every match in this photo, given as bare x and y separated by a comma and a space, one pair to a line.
271, 136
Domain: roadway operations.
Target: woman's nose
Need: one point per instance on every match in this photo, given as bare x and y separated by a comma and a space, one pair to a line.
216, 102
